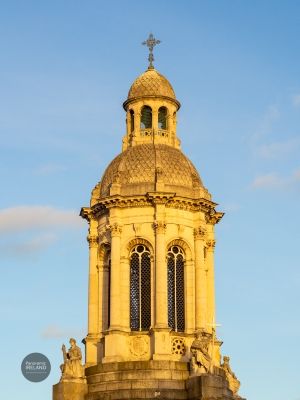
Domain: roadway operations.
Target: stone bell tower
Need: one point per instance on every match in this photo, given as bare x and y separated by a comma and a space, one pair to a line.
151, 306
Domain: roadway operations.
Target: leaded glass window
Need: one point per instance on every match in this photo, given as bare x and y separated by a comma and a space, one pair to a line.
176, 288
140, 288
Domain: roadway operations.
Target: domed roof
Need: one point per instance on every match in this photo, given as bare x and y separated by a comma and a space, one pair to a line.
139, 167
151, 83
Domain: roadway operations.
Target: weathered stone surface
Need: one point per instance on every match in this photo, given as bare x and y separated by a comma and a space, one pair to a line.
154, 380
70, 391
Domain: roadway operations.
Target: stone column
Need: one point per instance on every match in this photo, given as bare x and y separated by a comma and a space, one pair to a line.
161, 279
210, 282
115, 299
93, 305
125, 293
189, 281
201, 280
154, 121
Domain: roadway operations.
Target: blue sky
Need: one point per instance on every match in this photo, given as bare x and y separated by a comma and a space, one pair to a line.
65, 70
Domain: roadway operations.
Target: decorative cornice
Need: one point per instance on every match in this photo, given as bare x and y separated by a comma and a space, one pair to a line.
199, 232
170, 200
86, 213
214, 217
159, 226
159, 198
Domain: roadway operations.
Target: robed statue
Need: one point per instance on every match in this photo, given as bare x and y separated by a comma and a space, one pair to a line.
201, 359
72, 368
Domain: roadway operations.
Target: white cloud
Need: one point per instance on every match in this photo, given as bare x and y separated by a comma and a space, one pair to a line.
55, 332
279, 149
24, 218
275, 181
296, 100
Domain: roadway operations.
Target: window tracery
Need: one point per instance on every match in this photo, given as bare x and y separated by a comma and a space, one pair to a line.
140, 288
175, 266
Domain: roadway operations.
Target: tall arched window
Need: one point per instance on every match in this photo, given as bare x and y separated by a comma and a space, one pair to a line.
162, 118
131, 120
146, 117
140, 288
176, 288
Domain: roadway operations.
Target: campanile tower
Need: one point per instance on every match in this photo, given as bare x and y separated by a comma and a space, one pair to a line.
151, 306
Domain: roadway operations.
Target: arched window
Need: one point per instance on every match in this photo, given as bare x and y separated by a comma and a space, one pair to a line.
162, 118
140, 288
131, 120
176, 288
146, 117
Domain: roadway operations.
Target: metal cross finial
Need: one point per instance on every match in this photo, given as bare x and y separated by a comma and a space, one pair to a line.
150, 43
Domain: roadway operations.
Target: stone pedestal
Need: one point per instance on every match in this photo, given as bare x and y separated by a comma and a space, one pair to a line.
70, 391
210, 387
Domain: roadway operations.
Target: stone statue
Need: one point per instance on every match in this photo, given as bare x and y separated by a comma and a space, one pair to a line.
72, 369
201, 359
234, 383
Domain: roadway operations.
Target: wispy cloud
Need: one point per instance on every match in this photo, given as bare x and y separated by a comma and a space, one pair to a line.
56, 332
296, 100
28, 246
48, 169
277, 150
276, 181
24, 218
266, 123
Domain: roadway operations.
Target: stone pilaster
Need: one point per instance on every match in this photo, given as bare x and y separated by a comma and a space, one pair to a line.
201, 279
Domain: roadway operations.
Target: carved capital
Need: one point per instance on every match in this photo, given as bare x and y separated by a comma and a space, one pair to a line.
93, 241
159, 226
115, 229
211, 244
199, 232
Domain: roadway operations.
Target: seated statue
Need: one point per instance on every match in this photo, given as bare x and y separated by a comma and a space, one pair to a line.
201, 359
72, 369
234, 383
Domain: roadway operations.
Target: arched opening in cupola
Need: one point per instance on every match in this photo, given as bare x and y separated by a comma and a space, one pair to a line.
162, 118
131, 120
146, 117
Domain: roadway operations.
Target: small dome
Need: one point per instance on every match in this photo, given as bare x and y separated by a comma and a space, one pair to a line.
138, 168
151, 83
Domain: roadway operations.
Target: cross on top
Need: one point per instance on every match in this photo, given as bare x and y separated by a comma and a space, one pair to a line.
150, 43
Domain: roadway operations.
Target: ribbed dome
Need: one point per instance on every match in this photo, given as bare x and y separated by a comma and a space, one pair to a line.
137, 169
151, 83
